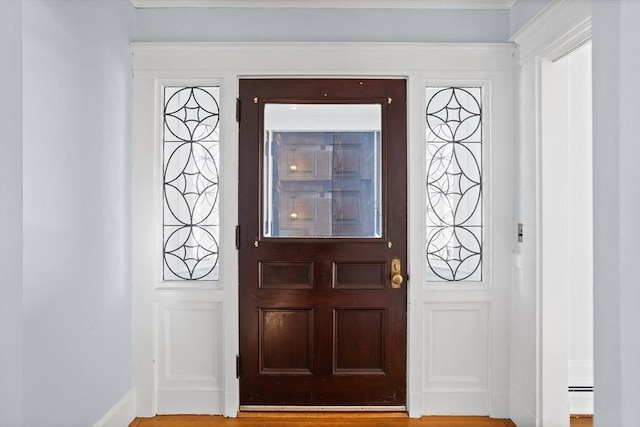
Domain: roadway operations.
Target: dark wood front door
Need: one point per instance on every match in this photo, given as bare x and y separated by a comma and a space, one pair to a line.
323, 229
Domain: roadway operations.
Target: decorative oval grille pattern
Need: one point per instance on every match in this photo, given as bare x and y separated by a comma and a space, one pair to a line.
454, 184
190, 214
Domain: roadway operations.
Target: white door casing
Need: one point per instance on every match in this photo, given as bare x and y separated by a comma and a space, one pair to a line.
540, 378
175, 321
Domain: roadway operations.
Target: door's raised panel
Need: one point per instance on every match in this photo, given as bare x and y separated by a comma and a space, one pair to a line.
286, 275
286, 341
456, 338
359, 338
359, 276
189, 336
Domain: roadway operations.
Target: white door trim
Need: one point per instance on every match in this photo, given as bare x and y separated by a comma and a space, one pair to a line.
156, 64
559, 29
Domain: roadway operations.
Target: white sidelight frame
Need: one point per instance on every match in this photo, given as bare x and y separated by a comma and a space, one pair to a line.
162, 384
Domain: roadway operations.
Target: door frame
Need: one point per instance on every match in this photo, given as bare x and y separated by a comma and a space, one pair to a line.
156, 64
559, 29
385, 387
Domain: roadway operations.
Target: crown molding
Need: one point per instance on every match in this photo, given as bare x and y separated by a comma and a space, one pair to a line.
343, 4
558, 29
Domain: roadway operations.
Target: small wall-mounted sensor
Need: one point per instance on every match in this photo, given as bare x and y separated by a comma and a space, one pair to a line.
520, 234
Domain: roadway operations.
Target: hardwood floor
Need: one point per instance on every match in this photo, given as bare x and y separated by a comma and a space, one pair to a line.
582, 421
316, 420
330, 420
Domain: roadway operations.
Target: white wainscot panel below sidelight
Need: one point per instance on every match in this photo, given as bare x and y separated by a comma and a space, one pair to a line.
189, 358
455, 364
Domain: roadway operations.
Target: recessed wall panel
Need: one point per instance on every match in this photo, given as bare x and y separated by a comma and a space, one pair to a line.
456, 341
190, 337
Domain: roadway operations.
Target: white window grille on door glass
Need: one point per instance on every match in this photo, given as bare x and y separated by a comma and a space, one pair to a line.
190, 183
454, 183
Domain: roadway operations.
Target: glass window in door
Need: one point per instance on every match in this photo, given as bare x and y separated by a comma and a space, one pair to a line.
322, 170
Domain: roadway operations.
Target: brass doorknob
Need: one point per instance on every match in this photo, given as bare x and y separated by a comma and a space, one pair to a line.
396, 276
396, 281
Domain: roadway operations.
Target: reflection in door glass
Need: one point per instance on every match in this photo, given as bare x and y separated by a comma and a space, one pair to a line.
454, 184
322, 170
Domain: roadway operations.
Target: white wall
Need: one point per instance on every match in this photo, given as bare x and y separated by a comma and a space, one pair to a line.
10, 213
580, 229
77, 209
616, 153
282, 24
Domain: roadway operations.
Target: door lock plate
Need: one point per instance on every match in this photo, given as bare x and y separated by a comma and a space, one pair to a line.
396, 274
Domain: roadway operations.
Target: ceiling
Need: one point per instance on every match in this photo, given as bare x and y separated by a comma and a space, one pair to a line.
373, 4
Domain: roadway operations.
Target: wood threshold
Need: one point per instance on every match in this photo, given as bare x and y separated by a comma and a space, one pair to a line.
341, 415
265, 410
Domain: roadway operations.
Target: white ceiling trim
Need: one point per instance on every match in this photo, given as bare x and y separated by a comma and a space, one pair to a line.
361, 4
560, 27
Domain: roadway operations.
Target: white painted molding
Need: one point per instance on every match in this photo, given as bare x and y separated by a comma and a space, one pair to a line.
195, 60
519, 413
558, 29
121, 414
342, 4
155, 64
581, 374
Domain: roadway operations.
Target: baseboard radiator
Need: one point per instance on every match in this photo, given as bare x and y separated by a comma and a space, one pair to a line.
580, 389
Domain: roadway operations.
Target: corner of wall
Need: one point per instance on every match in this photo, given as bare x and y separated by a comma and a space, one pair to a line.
11, 214
121, 414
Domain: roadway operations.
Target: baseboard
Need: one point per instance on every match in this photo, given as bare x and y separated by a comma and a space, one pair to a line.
415, 405
455, 403
189, 401
520, 414
121, 414
581, 403
499, 405
231, 404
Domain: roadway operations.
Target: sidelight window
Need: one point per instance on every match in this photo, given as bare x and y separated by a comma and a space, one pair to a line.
454, 183
190, 183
